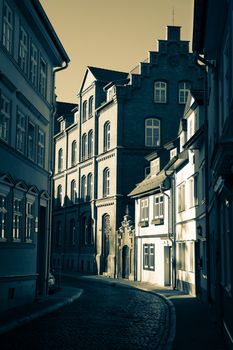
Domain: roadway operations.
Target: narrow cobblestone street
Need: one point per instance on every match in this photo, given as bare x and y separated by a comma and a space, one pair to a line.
106, 316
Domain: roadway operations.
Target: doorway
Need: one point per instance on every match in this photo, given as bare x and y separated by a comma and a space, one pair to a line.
125, 262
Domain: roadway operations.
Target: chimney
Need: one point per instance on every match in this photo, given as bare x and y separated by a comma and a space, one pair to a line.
173, 33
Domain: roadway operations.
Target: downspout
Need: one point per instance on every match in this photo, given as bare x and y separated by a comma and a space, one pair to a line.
51, 172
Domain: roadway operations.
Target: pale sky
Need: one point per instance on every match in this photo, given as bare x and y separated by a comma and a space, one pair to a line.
113, 35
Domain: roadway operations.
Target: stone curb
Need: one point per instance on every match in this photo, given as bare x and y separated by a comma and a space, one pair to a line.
11, 325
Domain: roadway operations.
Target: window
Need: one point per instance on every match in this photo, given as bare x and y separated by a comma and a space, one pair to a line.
152, 132
111, 92
90, 107
181, 256
155, 166
60, 160
90, 144
73, 193
43, 77
23, 50
41, 148
73, 153
89, 186
84, 147
144, 210
106, 136
33, 64
84, 111
173, 153
181, 198
29, 221
106, 182
21, 132
90, 231
160, 92
7, 39
193, 194
184, 88
17, 220
72, 232
158, 206
83, 187
59, 195
3, 217
191, 256
148, 256
84, 229
5, 118
31, 141
58, 234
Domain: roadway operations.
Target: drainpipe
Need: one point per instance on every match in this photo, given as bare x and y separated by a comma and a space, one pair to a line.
51, 172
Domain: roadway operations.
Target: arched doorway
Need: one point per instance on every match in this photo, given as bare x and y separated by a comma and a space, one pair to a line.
125, 262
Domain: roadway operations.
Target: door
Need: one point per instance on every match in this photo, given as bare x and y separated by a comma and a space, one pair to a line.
125, 262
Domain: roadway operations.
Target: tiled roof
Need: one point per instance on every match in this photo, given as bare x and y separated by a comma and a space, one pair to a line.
149, 185
107, 75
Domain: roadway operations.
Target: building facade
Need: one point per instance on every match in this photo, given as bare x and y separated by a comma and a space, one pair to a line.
213, 47
122, 117
29, 53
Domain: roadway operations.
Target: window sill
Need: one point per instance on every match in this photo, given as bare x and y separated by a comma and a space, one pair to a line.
143, 224
158, 221
148, 268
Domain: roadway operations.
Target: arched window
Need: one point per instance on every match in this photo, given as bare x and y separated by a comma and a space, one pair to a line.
84, 111
90, 144
84, 146
84, 230
59, 195
90, 231
83, 187
160, 92
184, 88
106, 182
73, 193
90, 107
106, 231
152, 132
106, 136
58, 233
74, 153
60, 160
72, 232
89, 186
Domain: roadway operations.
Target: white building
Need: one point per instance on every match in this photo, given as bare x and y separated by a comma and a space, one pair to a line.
153, 226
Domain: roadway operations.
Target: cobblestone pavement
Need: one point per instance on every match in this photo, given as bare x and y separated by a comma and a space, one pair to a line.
106, 316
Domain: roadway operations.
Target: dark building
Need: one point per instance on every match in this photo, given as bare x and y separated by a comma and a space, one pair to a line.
122, 117
213, 47
29, 53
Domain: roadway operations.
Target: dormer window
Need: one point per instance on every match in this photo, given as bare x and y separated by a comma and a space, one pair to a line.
155, 166
111, 92
173, 153
62, 125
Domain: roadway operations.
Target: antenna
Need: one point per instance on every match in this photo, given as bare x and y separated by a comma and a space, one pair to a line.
173, 16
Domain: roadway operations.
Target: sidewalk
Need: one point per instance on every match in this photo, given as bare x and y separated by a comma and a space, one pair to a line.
191, 321
24, 314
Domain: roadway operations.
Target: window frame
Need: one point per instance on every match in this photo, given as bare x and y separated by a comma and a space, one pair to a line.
149, 256
3, 217
160, 91
60, 160
41, 148
74, 153
144, 210
8, 29
84, 146
158, 206
23, 49
106, 182
73, 191
183, 91
17, 219
107, 136
84, 111
90, 106
90, 144
5, 117
153, 121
